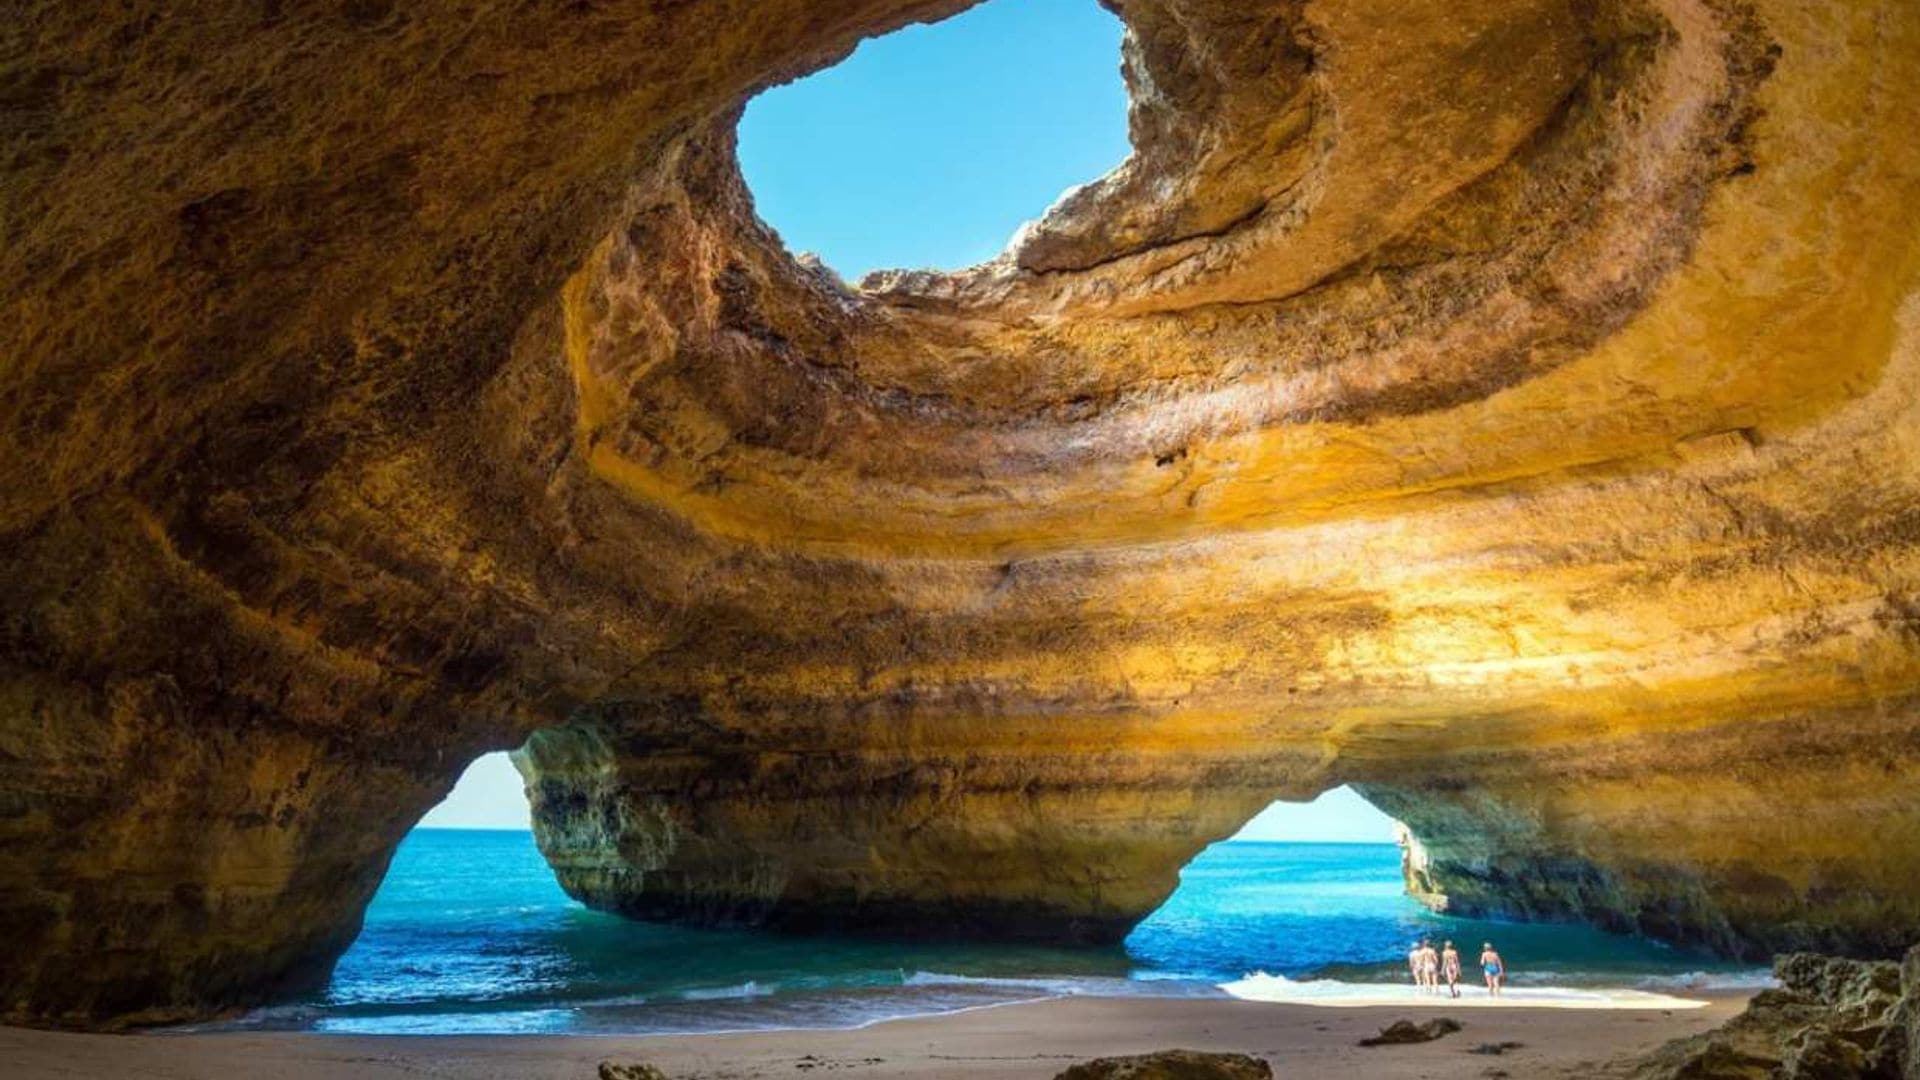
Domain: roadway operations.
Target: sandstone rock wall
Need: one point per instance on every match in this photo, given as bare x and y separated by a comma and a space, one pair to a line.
1508, 406
1770, 847
1071, 828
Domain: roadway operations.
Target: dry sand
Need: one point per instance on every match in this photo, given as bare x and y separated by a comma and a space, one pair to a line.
1030, 1041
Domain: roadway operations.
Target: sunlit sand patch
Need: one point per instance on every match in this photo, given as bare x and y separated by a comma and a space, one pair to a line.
1332, 993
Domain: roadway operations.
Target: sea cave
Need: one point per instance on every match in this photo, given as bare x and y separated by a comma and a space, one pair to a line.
1507, 409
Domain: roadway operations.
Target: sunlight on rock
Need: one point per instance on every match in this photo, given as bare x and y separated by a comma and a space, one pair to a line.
1509, 409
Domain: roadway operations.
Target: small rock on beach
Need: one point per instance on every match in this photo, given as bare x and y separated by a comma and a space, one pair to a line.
1406, 1031
1171, 1065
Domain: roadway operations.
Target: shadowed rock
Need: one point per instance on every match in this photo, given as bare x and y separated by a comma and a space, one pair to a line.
1171, 1065
636, 1071
1830, 1019
1406, 1031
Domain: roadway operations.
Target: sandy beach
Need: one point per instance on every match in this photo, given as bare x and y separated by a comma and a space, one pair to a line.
1027, 1041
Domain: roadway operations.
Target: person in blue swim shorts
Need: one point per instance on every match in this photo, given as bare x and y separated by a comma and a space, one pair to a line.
1493, 967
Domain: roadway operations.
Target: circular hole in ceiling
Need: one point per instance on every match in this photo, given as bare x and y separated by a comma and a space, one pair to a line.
929, 147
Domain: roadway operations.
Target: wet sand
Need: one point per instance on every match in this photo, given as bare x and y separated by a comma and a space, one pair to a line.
1028, 1041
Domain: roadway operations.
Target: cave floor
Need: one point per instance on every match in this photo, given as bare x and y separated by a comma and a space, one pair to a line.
1033, 1040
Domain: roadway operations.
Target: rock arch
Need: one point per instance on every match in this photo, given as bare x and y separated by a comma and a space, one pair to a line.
1508, 407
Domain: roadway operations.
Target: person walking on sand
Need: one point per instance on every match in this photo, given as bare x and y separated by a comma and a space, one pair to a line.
1429, 967
1415, 956
1450, 968
1493, 967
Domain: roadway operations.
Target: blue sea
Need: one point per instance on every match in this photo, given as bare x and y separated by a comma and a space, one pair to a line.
470, 934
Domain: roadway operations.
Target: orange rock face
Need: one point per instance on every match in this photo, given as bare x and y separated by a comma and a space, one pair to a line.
1507, 406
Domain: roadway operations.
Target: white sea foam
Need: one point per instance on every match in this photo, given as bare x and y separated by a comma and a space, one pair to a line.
1755, 979
1161, 985
748, 989
1260, 986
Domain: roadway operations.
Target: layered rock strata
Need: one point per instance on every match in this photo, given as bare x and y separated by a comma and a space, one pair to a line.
1506, 406
1003, 828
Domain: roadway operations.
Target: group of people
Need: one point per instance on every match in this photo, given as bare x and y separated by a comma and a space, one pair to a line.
1430, 966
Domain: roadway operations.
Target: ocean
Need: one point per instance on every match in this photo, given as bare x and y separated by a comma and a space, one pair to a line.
470, 934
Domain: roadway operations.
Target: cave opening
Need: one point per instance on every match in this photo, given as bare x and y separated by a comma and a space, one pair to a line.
1302, 888
929, 147
468, 918
471, 933
1310, 901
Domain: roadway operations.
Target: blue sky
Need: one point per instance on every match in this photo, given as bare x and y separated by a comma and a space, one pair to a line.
488, 796
929, 147
1339, 816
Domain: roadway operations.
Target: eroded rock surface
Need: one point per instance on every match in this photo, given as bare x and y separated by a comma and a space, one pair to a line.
1506, 406
847, 824
1830, 1019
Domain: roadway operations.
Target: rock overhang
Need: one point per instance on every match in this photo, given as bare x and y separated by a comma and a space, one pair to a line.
1508, 408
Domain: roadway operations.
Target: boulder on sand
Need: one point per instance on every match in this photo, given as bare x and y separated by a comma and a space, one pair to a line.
1172, 1065
1830, 1018
636, 1071
1406, 1031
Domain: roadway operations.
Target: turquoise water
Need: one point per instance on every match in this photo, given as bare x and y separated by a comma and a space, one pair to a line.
469, 933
